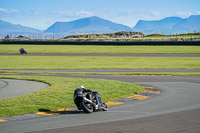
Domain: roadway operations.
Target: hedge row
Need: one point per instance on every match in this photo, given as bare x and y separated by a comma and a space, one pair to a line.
193, 43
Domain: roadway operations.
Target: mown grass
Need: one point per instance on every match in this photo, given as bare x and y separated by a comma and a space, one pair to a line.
68, 62
4, 48
60, 93
13, 72
127, 73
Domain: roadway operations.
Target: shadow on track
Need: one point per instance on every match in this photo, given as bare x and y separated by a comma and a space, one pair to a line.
64, 111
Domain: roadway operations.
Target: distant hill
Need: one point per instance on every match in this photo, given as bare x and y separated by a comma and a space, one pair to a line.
121, 34
87, 25
6, 27
169, 25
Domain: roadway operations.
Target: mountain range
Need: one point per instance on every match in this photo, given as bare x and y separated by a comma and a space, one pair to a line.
87, 25
6, 27
169, 25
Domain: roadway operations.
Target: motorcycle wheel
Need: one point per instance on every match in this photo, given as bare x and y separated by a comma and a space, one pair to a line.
105, 107
87, 107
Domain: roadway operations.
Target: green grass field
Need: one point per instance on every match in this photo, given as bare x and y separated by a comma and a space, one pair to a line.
51, 73
60, 94
98, 49
68, 62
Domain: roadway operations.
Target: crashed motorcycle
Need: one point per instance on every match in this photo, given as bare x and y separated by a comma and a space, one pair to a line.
88, 101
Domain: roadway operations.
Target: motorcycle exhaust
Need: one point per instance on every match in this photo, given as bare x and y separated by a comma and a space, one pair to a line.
85, 99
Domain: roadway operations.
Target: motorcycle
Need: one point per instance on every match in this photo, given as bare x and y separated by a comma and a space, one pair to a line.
89, 101
22, 51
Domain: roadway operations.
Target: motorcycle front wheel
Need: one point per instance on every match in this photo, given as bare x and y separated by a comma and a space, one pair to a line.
105, 107
87, 107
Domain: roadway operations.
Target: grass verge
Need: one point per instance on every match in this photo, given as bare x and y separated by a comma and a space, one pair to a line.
60, 93
132, 73
66, 62
104, 73
158, 73
98, 49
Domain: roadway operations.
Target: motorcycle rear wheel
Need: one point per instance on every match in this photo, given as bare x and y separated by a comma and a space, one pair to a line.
87, 107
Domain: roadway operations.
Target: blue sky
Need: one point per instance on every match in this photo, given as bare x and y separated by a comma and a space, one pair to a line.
41, 14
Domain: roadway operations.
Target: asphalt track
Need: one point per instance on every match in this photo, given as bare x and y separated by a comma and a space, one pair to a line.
11, 88
176, 109
106, 70
105, 54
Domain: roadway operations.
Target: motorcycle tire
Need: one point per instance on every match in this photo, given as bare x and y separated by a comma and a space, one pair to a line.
105, 107
87, 107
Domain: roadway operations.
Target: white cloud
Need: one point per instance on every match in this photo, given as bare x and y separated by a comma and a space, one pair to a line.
198, 12
154, 13
14, 11
76, 14
2, 10
125, 13
83, 13
184, 14
31, 13
187, 14
5, 13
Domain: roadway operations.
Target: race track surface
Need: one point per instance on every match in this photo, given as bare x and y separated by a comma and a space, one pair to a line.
178, 100
12, 88
106, 70
100, 54
167, 123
